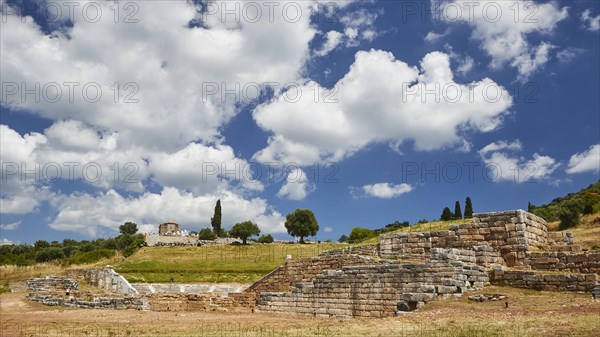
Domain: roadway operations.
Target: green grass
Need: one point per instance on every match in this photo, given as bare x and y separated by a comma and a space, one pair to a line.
422, 227
433, 226
213, 263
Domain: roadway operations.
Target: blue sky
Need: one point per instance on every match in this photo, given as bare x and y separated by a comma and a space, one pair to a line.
365, 112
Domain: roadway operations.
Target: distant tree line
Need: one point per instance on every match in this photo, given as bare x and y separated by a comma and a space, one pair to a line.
358, 234
71, 251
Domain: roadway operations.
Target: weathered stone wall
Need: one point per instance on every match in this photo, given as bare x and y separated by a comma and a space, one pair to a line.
171, 240
92, 303
583, 262
189, 288
560, 238
105, 278
596, 291
544, 281
200, 302
364, 250
305, 270
380, 290
511, 233
51, 283
168, 228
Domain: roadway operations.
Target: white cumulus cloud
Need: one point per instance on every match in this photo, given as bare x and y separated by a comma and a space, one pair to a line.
330, 124
297, 186
586, 161
503, 27
103, 213
504, 164
385, 190
333, 39
11, 226
591, 23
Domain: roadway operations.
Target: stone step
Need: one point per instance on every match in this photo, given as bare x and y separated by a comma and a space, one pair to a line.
596, 291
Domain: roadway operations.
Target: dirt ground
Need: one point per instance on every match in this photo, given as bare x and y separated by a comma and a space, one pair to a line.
530, 313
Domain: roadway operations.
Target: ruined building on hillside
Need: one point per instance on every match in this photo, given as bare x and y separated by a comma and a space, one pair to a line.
168, 228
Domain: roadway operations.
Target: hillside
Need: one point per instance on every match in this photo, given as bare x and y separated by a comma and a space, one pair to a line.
213, 263
587, 231
587, 200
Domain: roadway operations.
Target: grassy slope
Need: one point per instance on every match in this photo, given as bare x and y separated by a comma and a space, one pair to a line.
229, 264
422, 227
587, 232
218, 263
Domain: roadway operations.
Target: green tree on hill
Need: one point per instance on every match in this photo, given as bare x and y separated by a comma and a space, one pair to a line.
457, 211
49, 254
41, 244
446, 214
590, 201
215, 221
206, 234
568, 214
468, 208
301, 223
128, 228
359, 234
243, 230
266, 239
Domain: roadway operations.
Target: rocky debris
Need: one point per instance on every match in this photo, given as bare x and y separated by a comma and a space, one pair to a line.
487, 297
549, 281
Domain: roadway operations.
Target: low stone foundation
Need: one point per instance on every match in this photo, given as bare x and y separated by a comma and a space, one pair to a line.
584, 262
51, 283
200, 301
94, 303
544, 281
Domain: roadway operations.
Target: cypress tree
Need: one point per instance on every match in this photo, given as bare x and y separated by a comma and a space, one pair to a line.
215, 221
468, 208
446, 214
457, 211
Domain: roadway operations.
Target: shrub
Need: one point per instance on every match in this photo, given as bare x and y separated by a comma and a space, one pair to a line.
266, 238
91, 257
206, 234
568, 214
359, 234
